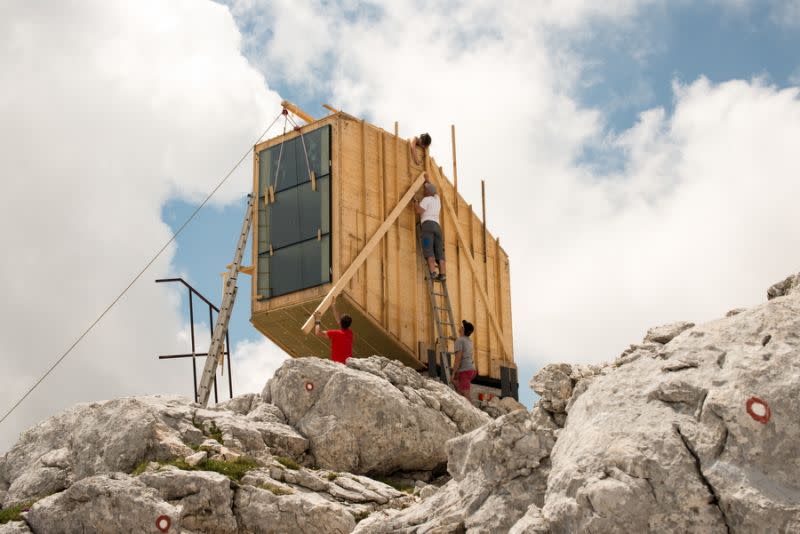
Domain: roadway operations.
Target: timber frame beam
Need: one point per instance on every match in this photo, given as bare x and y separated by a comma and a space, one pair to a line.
470, 259
365, 252
297, 111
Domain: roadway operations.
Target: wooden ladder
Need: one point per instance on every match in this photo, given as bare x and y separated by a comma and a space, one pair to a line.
226, 307
440, 305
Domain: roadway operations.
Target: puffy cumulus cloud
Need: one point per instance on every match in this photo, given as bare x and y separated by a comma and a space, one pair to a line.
108, 109
696, 221
254, 362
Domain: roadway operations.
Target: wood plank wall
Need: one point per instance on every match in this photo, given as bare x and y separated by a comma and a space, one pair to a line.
371, 171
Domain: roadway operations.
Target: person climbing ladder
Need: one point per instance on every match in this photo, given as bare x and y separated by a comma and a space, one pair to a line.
432, 241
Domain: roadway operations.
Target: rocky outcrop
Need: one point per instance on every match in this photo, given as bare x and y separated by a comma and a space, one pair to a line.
695, 438
785, 287
497, 407
372, 416
694, 429
243, 465
103, 503
497, 471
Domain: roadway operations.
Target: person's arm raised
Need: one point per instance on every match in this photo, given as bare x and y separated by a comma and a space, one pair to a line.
317, 323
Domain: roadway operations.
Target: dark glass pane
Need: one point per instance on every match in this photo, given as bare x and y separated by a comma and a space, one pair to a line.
299, 266
287, 157
315, 261
318, 147
291, 224
284, 271
313, 216
284, 219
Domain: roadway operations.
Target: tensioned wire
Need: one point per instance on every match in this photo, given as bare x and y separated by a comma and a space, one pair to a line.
141, 272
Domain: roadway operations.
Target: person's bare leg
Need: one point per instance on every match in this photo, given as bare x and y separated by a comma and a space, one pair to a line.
431, 264
441, 267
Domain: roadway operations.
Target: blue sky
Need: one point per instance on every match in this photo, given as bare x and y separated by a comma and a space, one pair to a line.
624, 74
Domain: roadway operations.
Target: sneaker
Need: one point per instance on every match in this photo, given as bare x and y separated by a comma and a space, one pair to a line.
434, 275
442, 278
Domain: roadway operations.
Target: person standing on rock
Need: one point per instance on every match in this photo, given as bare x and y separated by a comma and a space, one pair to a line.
464, 364
341, 340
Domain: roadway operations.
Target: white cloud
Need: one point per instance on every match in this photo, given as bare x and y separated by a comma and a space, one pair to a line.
697, 221
254, 362
108, 109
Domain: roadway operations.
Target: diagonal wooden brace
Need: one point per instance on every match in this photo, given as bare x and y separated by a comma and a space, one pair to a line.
470, 260
368, 248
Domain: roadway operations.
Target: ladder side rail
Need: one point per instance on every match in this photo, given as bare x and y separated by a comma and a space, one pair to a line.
226, 307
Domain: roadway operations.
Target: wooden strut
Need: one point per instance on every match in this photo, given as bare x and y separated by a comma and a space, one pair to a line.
470, 261
365, 252
297, 111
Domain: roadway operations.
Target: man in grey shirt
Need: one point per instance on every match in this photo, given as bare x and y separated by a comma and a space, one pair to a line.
464, 364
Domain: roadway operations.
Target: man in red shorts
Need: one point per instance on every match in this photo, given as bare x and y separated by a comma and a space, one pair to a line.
341, 340
464, 364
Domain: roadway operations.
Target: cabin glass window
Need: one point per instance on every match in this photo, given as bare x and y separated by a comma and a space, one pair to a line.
294, 250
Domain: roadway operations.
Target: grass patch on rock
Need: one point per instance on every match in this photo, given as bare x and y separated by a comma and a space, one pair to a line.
288, 463
215, 432
140, 468
14, 513
233, 469
276, 490
332, 476
395, 484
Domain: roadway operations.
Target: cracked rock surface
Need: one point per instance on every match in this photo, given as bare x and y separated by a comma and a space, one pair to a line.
667, 443
373, 416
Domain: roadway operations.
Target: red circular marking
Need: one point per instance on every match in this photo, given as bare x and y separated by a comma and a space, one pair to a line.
163, 522
760, 417
309, 386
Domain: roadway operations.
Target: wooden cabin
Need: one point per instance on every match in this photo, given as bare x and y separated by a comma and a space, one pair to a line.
324, 192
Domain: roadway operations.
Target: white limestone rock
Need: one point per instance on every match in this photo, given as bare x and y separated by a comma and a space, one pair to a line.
498, 471
369, 416
101, 437
103, 503
665, 333
667, 444
194, 459
260, 511
15, 527
205, 499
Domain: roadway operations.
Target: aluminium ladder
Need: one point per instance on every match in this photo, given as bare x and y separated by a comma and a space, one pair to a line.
440, 305
226, 307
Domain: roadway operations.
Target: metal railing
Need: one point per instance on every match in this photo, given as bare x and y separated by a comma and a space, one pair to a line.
226, 350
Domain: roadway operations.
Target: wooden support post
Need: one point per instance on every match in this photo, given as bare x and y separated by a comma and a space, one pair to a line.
384, 244
365, 252
472, 265
455, 167
498, 278
330, 108
483, 203
396, 129
365, 191
395, 198
297, 111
